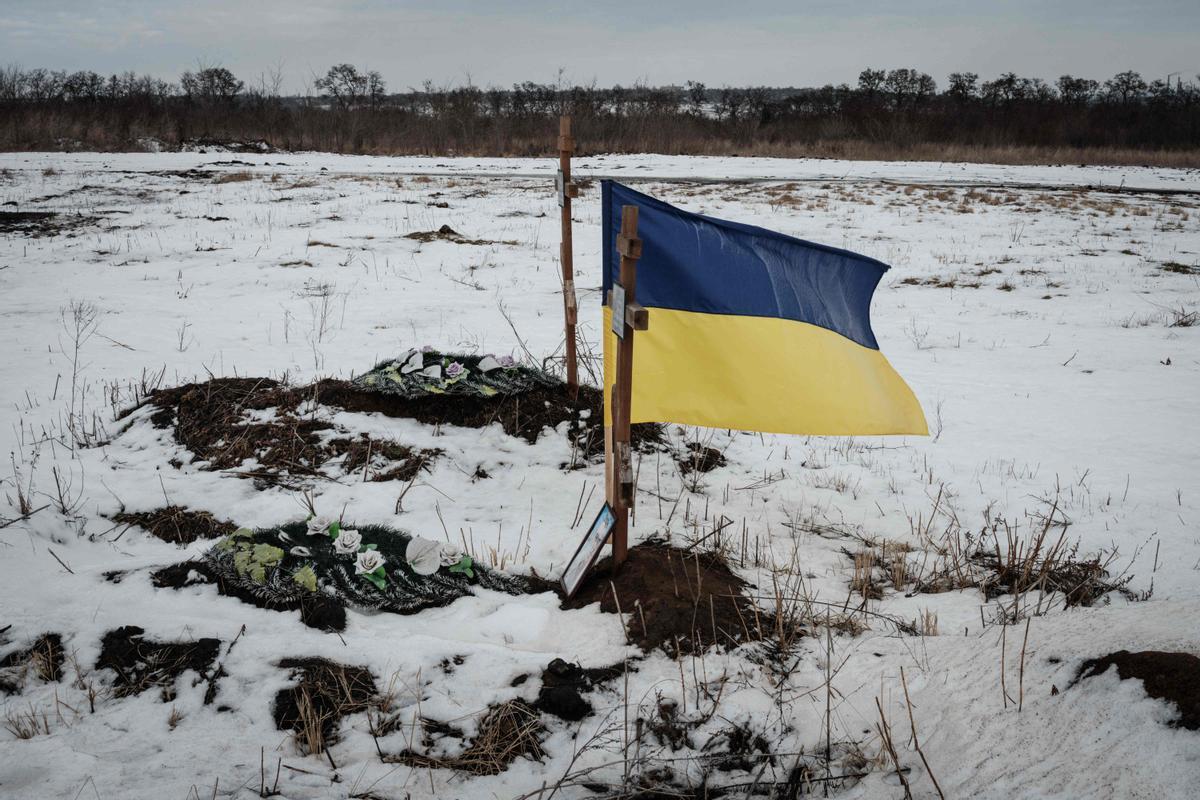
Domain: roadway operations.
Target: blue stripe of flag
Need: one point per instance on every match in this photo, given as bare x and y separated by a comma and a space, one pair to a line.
695, 263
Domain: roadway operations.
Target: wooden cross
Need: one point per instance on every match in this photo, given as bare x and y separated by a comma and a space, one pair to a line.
628, 316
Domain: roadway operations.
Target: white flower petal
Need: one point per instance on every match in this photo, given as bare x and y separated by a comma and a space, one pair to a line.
423, 555
487, 364
414, 361
434, 371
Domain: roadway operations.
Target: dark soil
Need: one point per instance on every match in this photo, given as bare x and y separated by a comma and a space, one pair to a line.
45, 657
383, 460
526, 415
325, 692
209, 419
316, 609
682, 602
143, 663
1174, 677
563, 686
41, 223
178, 525
448, 234
1180, 269
700, 459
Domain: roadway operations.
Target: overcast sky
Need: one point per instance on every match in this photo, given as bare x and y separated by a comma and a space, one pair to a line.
721, 42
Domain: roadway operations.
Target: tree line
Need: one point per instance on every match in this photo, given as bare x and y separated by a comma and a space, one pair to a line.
887, 113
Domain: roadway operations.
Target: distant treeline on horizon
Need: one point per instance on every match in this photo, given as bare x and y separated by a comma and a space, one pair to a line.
887, 114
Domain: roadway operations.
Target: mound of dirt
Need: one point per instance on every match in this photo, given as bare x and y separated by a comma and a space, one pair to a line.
178, 525
563, 686
44, 658
41, 223
525, 415
682, 602
1174, 677
325, 692
317, 610
448, 234
226, 422
699, 458
143, 663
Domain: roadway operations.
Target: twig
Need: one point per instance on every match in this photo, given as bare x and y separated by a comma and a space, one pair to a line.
885, 734
916, 742
1021, 675
60, 561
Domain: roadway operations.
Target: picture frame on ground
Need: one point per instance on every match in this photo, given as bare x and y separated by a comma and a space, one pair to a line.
588, 550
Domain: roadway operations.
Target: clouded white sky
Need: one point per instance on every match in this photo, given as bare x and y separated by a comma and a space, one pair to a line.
748, 42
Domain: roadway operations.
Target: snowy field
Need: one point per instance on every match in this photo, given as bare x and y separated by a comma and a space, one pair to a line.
1045, 317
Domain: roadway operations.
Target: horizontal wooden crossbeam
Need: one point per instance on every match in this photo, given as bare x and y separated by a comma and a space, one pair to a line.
637, 316
629, 247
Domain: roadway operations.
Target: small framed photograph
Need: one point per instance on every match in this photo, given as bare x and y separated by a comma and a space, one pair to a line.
618, 310
588, 550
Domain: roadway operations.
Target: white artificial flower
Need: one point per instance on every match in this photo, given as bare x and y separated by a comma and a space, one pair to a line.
319, 524
450, 555
302, 552
347, 542
423, 555
368, 562
412, 362
434, 371
487, 364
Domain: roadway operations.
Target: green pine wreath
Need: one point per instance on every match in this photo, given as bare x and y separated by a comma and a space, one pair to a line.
283, 565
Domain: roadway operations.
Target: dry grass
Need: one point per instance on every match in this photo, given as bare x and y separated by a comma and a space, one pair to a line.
233, 177
506, 732
326, 692
1031, 566
26, 724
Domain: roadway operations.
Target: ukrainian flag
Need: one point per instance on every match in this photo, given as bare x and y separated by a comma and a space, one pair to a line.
751, 329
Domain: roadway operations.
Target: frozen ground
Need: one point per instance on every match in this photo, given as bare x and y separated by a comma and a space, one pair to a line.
1043, 329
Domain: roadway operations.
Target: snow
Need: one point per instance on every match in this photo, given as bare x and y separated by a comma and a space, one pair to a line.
1057, 383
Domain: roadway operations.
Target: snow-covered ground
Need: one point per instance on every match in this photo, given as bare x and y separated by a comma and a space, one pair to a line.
1037, 325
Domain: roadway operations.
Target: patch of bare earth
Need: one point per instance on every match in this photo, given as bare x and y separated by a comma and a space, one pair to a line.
177, 525
681, 601
1174, 677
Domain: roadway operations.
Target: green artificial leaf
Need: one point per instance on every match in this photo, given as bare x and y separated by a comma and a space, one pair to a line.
306, 577
464, 566
241, 561
334, 530
267, 555
258, 573
240, 533
378, 577
225, 545
371, 546
487, 391
433, 389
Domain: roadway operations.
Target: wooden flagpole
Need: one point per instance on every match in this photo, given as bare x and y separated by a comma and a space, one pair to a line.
628, 317
566, 191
